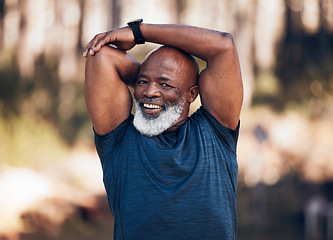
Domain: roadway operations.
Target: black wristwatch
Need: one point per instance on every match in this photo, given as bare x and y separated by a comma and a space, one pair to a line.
135, 25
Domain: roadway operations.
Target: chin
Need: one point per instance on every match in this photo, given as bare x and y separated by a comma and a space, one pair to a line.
149, 116
151, 124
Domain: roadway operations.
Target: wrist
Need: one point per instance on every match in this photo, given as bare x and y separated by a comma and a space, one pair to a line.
135, 26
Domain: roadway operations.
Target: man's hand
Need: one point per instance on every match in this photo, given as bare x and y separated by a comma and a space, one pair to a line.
122, 38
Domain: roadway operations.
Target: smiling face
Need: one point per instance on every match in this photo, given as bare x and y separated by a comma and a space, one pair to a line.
164, 90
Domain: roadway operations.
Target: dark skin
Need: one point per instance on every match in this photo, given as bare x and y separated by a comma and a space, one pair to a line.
166, 74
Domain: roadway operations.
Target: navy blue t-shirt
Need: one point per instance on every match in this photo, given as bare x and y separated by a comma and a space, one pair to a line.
177, 185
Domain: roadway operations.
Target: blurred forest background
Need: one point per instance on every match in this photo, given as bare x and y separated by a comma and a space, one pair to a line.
50, 177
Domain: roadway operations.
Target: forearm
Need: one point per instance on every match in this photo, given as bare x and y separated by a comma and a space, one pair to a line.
128, 68
200, 42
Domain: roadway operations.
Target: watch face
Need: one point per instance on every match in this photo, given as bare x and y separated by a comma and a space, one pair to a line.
136, 21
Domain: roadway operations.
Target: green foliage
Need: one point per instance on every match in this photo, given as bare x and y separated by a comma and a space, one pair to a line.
303, 68
40, 116
45, 97
29, 141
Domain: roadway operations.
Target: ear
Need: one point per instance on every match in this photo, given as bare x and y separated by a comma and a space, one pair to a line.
192, 93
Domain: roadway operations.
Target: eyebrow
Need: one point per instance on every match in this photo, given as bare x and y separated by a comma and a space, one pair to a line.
142, 75
164, 79
160, 78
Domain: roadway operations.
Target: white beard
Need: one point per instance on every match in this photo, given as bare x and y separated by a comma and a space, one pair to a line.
150, 126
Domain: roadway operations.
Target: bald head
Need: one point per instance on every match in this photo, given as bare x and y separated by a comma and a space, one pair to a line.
165, 88
184, 64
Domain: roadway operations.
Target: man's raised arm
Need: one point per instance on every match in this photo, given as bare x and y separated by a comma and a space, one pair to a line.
107, 96
220, 84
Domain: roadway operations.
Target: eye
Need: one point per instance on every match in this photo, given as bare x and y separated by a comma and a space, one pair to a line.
164, 85
141, 82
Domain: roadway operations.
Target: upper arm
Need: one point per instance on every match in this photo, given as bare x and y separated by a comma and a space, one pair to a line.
107, 96
220, 84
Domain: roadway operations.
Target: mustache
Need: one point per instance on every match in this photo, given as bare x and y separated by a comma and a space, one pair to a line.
150, 100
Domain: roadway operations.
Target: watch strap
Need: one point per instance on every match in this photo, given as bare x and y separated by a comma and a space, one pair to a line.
135, 26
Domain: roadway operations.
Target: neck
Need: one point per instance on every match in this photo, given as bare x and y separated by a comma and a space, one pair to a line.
177, 124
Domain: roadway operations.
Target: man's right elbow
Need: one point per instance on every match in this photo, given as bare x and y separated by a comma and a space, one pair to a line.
104, 54
227, 41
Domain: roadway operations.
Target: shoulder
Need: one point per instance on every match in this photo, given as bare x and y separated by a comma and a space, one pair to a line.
210, 126
111, 140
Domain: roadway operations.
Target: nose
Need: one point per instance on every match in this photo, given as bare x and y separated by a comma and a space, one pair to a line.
152, 90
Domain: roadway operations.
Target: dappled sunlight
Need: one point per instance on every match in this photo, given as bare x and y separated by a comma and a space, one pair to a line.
311, 15
51, 193
272, 145
21, 190
50, 175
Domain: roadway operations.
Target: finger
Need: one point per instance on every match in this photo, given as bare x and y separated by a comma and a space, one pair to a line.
85, 52
91, 45
98, 40
107, 39
99, 45
87, 49
91, 52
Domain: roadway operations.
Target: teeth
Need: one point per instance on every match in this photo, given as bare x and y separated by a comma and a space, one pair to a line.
146, 105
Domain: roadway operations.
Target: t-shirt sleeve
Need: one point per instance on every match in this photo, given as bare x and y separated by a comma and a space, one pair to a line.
106, 143
228, 136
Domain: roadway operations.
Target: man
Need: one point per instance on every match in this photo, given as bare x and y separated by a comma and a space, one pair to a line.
167, 175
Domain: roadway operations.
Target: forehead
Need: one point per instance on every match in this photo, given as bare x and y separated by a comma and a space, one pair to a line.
162, 62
